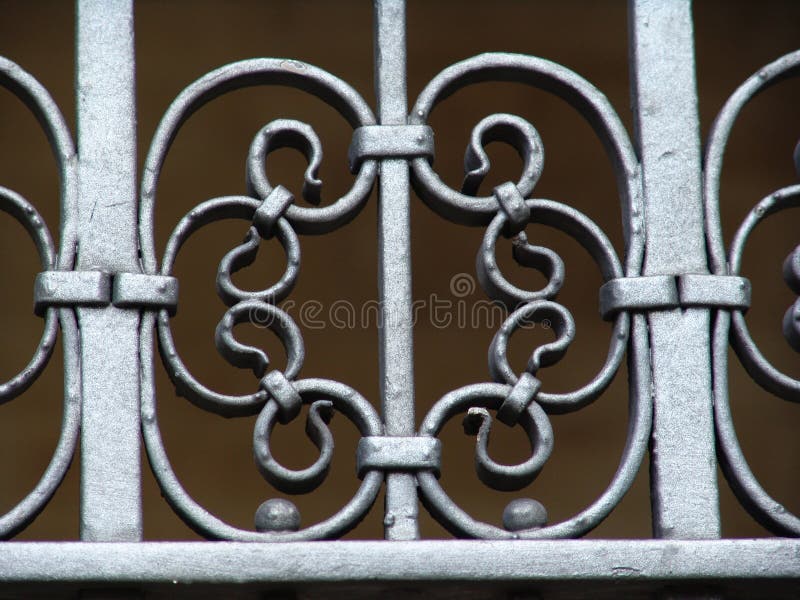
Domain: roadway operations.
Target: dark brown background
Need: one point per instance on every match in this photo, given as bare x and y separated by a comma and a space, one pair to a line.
179, 41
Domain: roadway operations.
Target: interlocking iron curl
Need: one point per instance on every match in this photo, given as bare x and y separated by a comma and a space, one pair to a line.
507, 212
271, 212
767, 511
39, 101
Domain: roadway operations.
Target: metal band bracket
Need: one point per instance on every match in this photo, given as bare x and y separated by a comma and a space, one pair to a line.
98, 288
389, 141
521, 395
388, 453
666, 292
138, 290
282, 391
71, 288
512, 203
272, 208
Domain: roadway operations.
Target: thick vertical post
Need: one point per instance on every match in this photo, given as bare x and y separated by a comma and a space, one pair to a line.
394, 235
683, 469
110, 455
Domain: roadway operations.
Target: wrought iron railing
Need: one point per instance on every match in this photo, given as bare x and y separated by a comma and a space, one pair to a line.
673, 298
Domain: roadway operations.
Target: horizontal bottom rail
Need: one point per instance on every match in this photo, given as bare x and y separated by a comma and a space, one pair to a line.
747, 568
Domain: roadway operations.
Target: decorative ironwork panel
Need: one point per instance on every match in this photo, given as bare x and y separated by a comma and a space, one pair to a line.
674, 298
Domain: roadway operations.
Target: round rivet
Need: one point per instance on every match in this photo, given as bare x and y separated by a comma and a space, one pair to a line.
524, 513
277, 514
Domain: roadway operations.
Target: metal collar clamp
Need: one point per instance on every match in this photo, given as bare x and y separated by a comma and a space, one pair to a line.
665, 292
389, 141
98, 288
385, 453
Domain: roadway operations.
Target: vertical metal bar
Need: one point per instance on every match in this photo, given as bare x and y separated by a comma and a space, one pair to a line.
394, 235
110, 455
683, 468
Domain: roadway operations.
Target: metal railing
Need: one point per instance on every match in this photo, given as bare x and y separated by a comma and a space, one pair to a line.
673, 299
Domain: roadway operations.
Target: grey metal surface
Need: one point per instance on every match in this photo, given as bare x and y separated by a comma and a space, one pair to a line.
106, 105
770, 513
271, 217
396, 359
664, 292
621, 562
673, 299
684, 473
506, 213
39, 102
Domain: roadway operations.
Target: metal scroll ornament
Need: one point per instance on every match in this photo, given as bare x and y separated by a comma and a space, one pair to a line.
272, 216
521, 398
39, 101
770, 513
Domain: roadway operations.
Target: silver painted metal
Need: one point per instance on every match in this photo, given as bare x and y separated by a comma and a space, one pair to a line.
390, 141
399, 454
98, 288
667, 313
106, 125
378, 567
684, 491
71, 288
137, 290
767, 511
664, 292
506, 213
395, 331
278, 396
41, 104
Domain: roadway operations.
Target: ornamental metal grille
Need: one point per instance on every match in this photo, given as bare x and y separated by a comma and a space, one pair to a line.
675, 299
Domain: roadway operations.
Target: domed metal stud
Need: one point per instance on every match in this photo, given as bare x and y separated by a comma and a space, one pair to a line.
524, 513
277, 514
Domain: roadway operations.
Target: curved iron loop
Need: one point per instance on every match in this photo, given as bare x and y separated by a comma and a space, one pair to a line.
474, 400
517, 132
205, 213
754, 362
263, 315
591, 237
731, 324
287, 480
285, 133
26, 214
187, 386
770, 513
510, 477
244, 255
256, 312
493, 396
497, 287
784, 67
506, 213
342, 398
754, 498
271, 213
257, 303
20, 516
37, 99
551, 214
544, 313
264, 71
588, 100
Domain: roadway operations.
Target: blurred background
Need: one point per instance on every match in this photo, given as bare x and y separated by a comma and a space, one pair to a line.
179, 41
